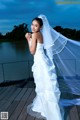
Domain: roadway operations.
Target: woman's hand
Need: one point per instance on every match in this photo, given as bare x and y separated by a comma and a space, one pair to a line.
28, 36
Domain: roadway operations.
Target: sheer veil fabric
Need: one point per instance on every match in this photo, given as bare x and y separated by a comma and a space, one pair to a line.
65, 54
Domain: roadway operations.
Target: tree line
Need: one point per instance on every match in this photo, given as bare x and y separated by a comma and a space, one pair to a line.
18, 33
69, 33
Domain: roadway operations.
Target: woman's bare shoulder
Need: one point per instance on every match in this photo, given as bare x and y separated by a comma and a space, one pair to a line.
38, 36
34, 35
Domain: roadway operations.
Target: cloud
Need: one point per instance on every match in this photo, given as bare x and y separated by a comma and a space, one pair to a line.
2, 6
6, 25
14, 12
7, 1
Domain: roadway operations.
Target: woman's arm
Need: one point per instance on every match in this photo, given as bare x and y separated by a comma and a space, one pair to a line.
32, 42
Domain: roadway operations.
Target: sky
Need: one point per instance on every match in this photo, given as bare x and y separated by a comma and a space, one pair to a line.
15, 12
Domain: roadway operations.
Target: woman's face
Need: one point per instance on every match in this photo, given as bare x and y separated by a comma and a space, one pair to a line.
35, 27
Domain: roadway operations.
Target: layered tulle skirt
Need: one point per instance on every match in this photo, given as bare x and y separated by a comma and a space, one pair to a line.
46, 103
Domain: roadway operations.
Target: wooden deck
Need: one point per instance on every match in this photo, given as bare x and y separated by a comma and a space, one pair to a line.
14, 100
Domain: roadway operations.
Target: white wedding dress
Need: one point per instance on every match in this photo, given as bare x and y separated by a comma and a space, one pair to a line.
46, 103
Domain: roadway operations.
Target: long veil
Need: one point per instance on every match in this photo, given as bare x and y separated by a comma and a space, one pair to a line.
65, 54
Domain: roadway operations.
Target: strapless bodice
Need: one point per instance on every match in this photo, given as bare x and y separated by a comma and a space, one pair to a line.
39, 48
39, 45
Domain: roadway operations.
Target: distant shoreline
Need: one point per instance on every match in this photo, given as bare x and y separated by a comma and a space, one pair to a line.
11, 40
18, 33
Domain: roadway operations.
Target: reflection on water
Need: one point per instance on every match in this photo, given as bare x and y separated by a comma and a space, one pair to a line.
19, 47
0, 45
14, 51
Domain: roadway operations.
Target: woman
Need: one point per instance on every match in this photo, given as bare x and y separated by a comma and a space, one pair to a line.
44, 43
46, 101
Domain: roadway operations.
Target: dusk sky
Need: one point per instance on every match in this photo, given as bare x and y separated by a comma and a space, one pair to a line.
15, 12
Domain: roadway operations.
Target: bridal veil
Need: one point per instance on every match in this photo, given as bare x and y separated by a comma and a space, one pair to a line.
65, 53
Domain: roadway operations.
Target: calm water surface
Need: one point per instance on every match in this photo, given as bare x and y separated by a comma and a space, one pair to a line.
14, 51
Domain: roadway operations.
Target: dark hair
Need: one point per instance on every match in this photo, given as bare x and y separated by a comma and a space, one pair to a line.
39, 20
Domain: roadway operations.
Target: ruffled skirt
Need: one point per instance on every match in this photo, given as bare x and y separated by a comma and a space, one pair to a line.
46, 103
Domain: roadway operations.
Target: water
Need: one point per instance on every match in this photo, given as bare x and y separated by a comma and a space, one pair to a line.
15, 61
15, 51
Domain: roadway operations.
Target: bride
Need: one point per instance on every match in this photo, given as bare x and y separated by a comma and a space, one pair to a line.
45, 43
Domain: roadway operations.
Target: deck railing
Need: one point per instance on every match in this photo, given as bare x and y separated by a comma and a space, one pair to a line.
17, 70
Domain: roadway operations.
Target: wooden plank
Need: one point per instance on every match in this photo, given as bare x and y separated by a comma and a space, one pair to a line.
30, 118
20, 106
15, 102
9, 93
8, 102
5, 89
7, 99
74, 113
23, 113
2, 89
12, 108
78, 109
2, 97
21, 94
15, 94
11, 99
